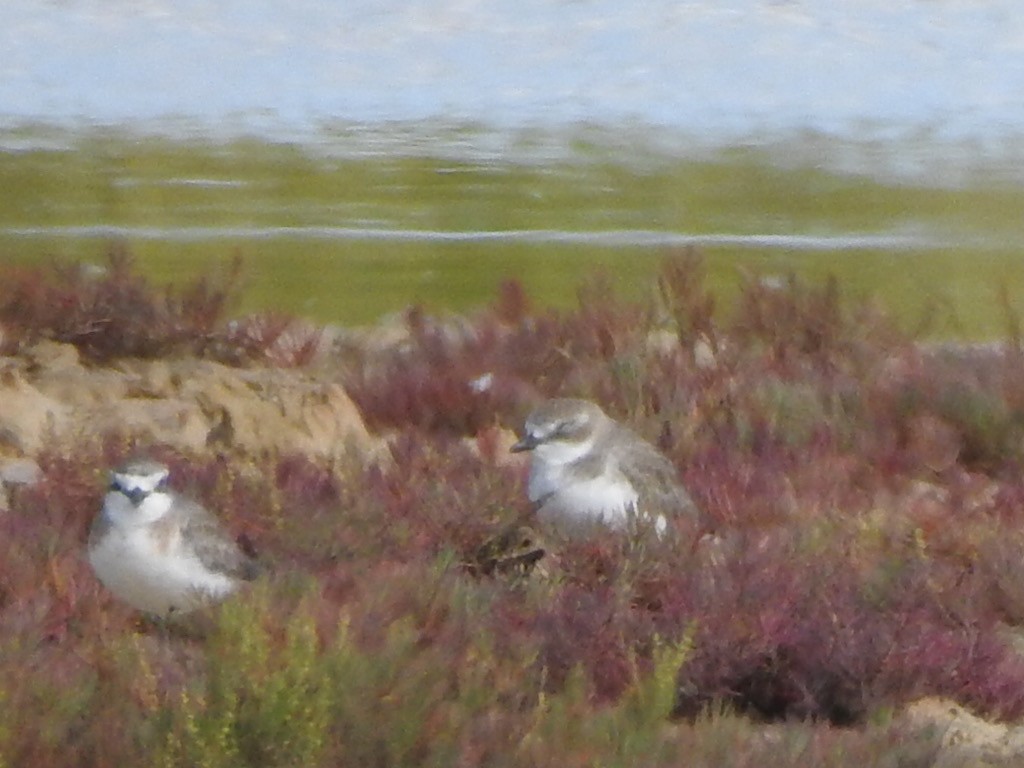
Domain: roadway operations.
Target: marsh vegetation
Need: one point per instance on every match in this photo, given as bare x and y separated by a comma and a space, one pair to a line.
870, 486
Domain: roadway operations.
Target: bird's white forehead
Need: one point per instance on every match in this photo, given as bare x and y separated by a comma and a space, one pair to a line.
142, 478
542, 429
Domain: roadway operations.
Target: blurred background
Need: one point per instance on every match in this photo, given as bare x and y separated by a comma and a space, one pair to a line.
366, 155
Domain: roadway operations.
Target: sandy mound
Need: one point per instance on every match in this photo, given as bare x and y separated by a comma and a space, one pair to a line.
189, 404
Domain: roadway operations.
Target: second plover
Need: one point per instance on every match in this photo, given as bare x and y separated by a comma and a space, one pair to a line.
589, 470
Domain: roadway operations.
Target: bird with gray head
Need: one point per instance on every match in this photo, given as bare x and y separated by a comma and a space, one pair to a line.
589, 470
160, 552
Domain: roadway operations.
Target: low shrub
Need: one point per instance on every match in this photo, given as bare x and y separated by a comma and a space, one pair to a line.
863, 494
113, 311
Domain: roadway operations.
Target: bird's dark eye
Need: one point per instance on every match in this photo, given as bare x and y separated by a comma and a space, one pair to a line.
569, 427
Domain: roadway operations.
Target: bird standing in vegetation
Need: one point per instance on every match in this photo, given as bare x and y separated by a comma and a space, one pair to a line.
589, 470
160, 552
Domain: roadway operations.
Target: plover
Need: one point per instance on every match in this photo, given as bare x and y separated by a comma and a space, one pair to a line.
588, 469
160, 552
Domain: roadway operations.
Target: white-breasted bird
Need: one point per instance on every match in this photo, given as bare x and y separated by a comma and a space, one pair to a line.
160, 552
589, 470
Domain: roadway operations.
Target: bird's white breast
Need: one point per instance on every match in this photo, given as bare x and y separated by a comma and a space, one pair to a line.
599, 498
155, 573
570, 501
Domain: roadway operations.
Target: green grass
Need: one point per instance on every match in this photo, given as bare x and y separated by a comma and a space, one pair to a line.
118, 180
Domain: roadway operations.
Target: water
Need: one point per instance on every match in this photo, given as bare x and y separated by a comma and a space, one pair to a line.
725, 69
368, 154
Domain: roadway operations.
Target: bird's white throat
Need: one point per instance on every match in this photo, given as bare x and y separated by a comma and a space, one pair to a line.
559, 453
551, 466
120, 510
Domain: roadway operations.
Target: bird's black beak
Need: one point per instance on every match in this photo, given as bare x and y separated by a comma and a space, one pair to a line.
135, 496
527, 443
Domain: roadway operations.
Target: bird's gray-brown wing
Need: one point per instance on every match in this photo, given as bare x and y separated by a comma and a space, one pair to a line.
212, 545
655, 479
